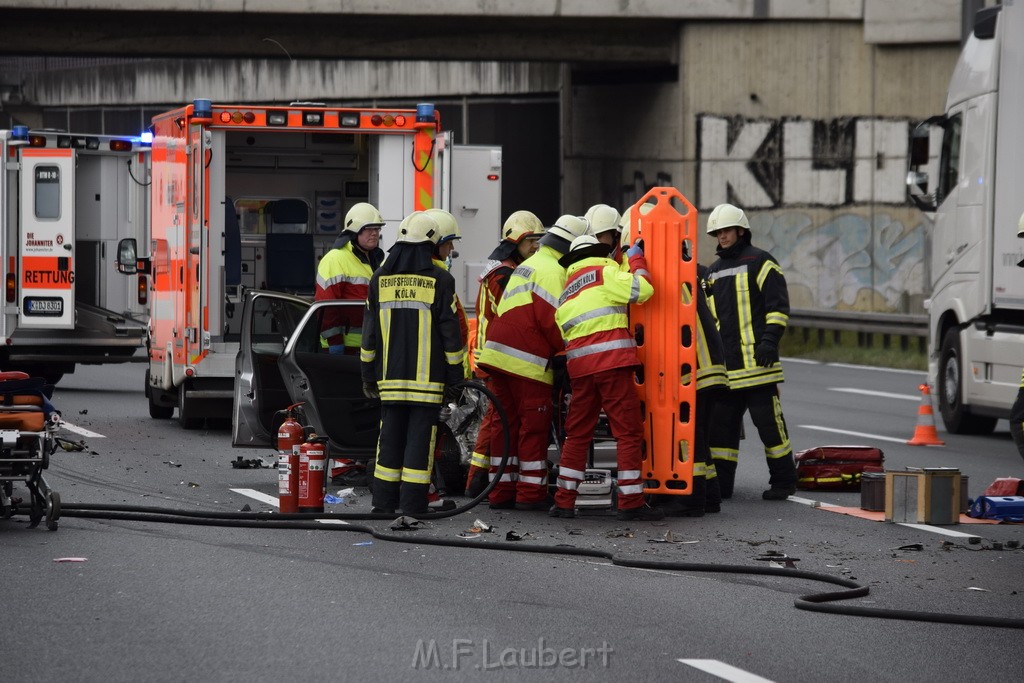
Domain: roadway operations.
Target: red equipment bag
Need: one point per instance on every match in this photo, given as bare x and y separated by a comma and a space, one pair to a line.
1005, 486
836, 468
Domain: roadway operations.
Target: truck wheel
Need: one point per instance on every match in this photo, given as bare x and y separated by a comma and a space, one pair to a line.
955, 415
157, 411
187, 417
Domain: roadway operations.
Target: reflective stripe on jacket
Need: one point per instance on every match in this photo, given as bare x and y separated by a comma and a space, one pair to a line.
523, 337
751, 301
493, 281
593, 316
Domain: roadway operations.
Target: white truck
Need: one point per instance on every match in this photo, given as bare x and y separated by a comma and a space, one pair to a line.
65, 202
967, 170
249, 197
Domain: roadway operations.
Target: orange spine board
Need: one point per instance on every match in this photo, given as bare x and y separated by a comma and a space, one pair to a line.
665, 329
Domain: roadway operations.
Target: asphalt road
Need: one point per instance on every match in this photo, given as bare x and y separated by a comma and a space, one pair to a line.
168, 602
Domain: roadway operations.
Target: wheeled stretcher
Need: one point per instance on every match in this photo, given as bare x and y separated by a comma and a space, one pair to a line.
28, 427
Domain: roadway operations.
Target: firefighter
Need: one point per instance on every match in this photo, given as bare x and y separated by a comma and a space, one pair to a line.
520, 235
344, 273
601, 361
751, 302
522, 341
412, 353
1017, 411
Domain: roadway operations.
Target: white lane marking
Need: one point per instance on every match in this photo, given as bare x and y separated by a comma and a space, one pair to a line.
812, 503
922, 527
849, 433
270, 500
80, 430
724, 671
882, 394
938, 530
261, 497
851, 366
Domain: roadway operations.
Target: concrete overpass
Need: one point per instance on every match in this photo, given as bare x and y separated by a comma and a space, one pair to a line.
608, 31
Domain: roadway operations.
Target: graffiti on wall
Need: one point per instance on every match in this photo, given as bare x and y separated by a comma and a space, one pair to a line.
771, 163
851, 262
814, 189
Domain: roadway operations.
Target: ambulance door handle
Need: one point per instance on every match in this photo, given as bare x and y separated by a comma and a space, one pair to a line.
68, 247
467, 209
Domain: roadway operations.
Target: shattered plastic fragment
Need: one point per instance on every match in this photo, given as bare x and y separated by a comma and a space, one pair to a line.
364, 543
84, 559
975, 588
467, 535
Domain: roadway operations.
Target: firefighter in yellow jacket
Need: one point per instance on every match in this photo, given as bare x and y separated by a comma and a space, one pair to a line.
344, 273
593, 317
519, 236
521, 344
412, 353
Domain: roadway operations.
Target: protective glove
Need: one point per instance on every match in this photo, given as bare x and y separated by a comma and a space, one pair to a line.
370, 390
766, 353
637, 248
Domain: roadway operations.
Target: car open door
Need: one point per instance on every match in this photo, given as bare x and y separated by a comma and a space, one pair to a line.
331, 389
269, 322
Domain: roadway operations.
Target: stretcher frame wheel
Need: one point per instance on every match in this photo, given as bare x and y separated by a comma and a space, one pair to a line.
53, 511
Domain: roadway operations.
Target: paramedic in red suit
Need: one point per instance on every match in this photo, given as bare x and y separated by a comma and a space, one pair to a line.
519, 237
593, 316
521, 342
751, 301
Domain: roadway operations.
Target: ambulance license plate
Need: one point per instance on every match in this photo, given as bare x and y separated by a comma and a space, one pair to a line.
44, 305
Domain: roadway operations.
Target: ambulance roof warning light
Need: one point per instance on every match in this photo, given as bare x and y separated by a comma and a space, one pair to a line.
202, 108
146, 137
312, 118
277, 118
348, 120
120, 146
19, 132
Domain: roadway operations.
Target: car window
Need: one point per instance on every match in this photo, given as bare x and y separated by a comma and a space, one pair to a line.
273, 322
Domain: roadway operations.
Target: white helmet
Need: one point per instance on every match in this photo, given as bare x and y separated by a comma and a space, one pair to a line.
626, 238
418, 227
582, 242
569, 227
448, 226
521, 225
362, 215
727, 216
603, 218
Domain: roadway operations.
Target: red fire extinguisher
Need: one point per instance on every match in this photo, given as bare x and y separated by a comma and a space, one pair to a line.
289, 436
312, 467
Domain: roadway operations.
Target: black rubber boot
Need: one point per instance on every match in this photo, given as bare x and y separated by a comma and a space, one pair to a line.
641, 514
712, 494
726, 470
781, 478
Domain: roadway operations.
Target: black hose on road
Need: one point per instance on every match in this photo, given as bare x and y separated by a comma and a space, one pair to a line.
813, 602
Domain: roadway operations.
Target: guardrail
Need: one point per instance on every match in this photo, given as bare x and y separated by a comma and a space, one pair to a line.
866, 325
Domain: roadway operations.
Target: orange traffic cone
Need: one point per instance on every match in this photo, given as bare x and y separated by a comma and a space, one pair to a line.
924, 432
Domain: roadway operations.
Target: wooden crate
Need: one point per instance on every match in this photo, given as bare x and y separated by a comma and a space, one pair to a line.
928, 496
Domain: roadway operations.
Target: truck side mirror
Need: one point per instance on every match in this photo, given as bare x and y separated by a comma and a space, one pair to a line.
919, 146
127, 256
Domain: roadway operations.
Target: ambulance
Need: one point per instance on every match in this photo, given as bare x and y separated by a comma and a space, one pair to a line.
248, 198
65, 202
